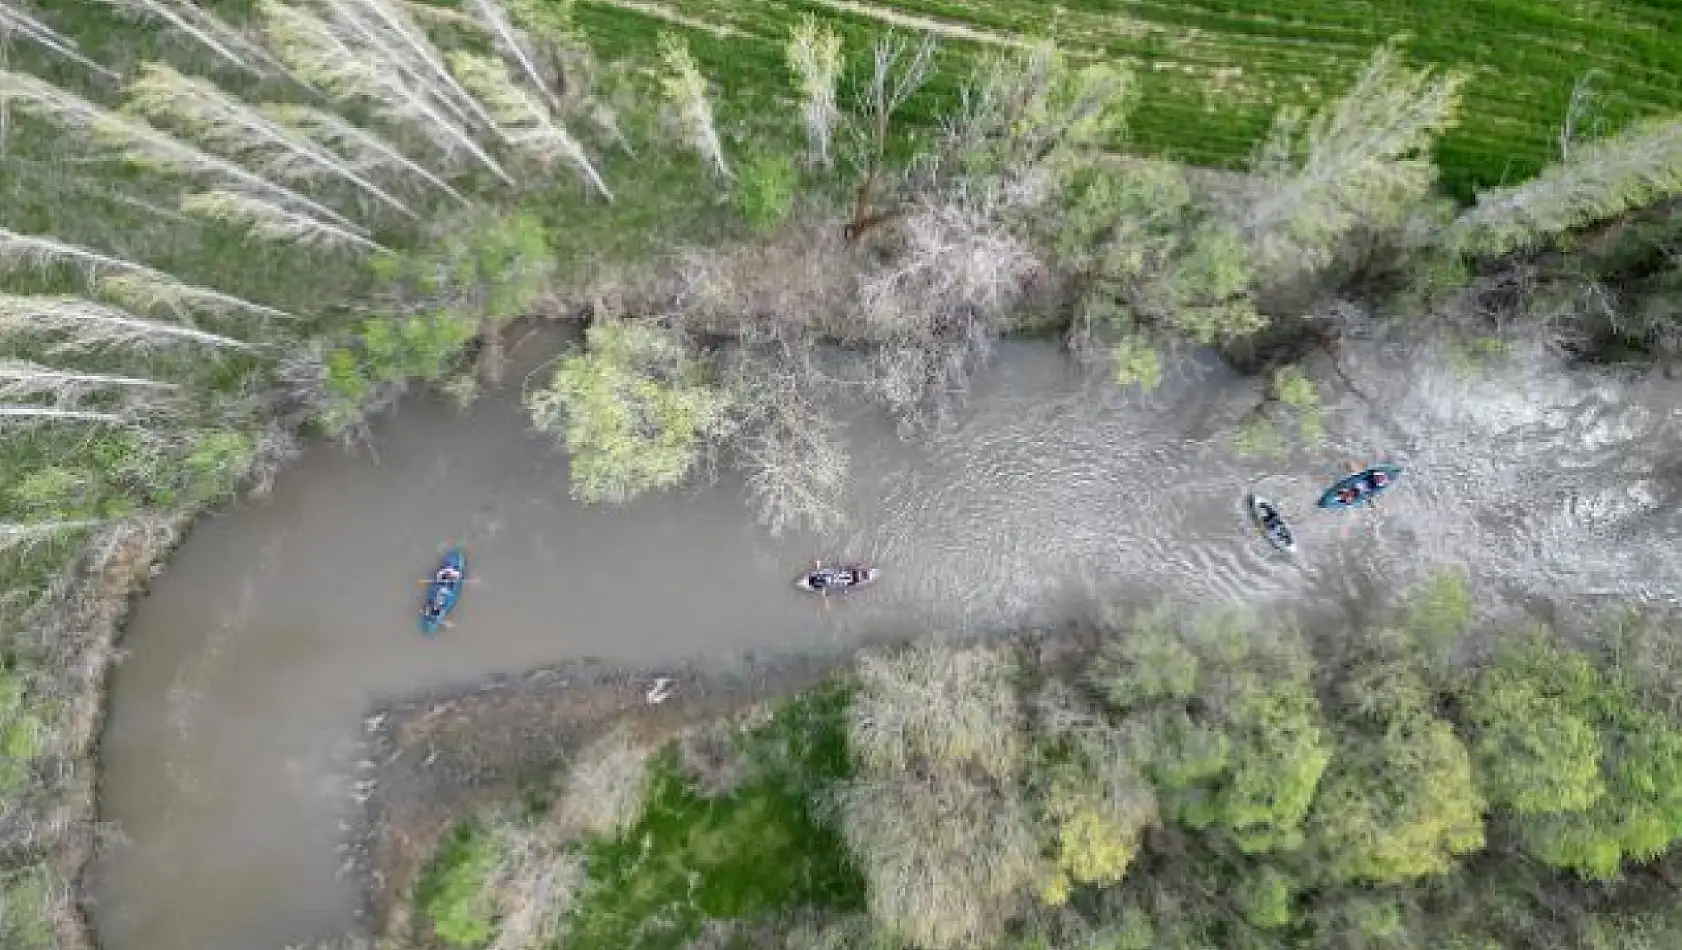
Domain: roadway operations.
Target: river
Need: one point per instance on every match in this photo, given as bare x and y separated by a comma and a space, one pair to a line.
228, 756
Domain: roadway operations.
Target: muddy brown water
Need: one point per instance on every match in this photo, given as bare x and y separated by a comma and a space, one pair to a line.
231, 748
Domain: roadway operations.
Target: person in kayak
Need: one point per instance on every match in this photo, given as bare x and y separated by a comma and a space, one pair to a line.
1378, 480
448, 574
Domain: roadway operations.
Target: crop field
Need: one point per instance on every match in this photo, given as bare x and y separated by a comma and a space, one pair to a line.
1211, 72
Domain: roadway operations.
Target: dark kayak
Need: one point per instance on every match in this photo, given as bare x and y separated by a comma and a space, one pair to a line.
442, 596
1271, 523
1360, 488
825, 579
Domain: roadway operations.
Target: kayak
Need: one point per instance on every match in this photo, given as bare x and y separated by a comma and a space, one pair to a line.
1271, 523
825, 579
1360, 488
442, 596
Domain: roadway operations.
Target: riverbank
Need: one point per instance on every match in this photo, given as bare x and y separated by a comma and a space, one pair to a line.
1163, 777
84, 618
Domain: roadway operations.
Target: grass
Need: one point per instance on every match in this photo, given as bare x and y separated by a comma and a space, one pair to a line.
1211, 72
763, 849
450, 891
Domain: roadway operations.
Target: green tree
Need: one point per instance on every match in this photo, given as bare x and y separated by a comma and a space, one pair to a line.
1589, 773
1151, 257
1399, 805
634, 409
1243, 749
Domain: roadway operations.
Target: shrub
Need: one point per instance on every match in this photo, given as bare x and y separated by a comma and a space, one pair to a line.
937, 703
1097, 824
764, 191
28, 905
452, 892
604, 786
1264, 898
946, 857
218, 461
1145, 663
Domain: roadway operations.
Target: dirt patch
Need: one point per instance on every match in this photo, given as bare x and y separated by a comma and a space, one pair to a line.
430, 760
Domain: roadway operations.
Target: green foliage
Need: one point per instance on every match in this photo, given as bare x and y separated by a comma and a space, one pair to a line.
392, 350
27, 909
1399, 805
22, 733
1032, 108
1613, 788
1097, 824
1147, 662
1265, 897
1439, 611
634, 409
763, 191
1293, 389
451, 892
1246, 757
762, 849
484, 268
1136, 362
217, 462
1534, 754
1154, 257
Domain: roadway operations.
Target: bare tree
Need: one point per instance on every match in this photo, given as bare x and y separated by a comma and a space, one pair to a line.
382, 28
243, 131
931, 304
513, 46
789, 448
604, 786
205, 29
364, 150
138, 284
354, 69
267, 221
145, 146
15, 537
26, 413
1599, 181
24, 380
1582, 101
891, 85
523, 119
85, 326
814, 56
534, 884
686, 91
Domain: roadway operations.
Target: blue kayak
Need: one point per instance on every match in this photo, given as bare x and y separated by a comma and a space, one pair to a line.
442, 595
1360, 488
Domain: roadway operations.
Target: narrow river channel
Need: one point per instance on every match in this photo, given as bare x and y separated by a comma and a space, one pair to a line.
233, 736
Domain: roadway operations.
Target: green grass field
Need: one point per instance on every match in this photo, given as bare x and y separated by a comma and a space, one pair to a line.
1212, 71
